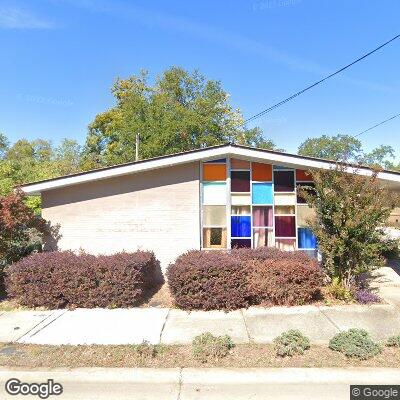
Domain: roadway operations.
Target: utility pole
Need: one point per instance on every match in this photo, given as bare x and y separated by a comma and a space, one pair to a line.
137, 147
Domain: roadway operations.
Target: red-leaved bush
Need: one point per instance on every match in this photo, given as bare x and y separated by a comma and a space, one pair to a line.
242, 277
65, 279
287, 281
20, 229
207, 281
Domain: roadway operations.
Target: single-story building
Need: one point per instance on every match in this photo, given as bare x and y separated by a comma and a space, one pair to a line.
213, 198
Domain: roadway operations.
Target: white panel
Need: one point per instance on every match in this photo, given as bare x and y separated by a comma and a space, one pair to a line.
240, 199
214, 193
283, 199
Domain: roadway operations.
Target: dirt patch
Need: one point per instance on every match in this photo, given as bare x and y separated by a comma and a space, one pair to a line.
162, 298
244, 356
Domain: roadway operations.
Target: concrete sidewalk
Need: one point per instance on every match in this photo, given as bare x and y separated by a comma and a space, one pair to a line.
204, 383
170, 326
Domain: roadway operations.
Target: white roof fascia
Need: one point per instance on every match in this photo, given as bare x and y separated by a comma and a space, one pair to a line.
286, 159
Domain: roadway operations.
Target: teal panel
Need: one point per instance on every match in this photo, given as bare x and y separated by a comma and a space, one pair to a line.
262, 193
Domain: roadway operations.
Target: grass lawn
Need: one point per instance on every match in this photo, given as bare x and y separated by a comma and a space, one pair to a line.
160, 356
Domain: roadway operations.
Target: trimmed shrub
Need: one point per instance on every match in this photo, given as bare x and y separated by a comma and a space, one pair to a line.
393, 341
364, 296
208, 280
291, 280
64, 279
290, 343
355, 343
208, 347
268, 253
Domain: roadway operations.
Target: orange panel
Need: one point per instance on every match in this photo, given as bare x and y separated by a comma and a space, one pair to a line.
214, 172
303, 175
262, 172
239, 164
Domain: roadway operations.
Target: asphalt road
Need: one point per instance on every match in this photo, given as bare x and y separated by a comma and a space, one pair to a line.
184, 384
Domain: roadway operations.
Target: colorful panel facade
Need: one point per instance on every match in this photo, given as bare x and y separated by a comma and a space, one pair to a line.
240, 181
261, 172
214, 193
240, 226
214, 238
253, 204
262, 193
263, 216
307, 239
214, 172
214, 216
284, 181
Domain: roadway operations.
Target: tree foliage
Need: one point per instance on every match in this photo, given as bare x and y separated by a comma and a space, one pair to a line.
27, 161
350, 212
181, 111
21, 229
346, 147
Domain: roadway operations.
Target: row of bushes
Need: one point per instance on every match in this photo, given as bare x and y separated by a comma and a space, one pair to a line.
242, 277
354, 343
64, 279
197, 280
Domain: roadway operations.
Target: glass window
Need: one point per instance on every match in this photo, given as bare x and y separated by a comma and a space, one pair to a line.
285, 244
263, 237
214, 238
262, 193
235, 243
305, 214
262, 216
303, 175
307, 239
240, 226
261, 172
284, 181
240, 210
214, 172
307, 186
240, 199
285, 226
214, 193
285, 210
239, 164
240, 181
284, 199
214, 216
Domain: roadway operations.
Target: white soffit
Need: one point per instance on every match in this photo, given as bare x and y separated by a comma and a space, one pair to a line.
289, 160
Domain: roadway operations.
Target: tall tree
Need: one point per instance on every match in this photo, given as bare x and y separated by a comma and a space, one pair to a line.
346, 148
351, 210
181, 111
27, 161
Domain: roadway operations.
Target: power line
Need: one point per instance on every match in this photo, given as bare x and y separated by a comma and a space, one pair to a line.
380, 123
267, 110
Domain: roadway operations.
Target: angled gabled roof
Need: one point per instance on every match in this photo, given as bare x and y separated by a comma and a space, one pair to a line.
290, 160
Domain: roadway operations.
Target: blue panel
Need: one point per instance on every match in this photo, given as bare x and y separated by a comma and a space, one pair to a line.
240, 226
263, 193
307, 239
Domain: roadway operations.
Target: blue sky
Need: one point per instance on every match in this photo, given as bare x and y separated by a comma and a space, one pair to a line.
60, 57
